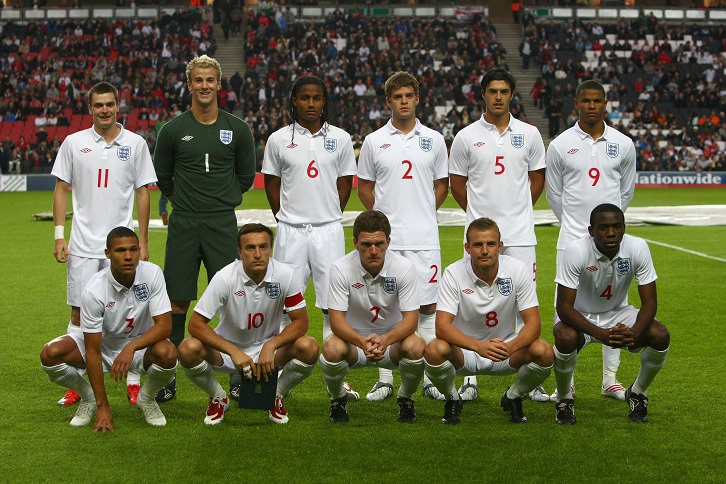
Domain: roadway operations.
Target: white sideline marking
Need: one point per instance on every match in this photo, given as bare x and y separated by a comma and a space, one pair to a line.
700, 254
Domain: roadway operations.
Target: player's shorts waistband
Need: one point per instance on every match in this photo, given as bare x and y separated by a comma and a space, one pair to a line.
309, 225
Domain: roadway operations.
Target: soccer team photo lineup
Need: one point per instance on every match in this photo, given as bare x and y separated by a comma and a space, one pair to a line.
389, 303
392, 121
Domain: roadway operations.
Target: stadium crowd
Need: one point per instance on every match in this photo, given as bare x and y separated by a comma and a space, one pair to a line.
667, 92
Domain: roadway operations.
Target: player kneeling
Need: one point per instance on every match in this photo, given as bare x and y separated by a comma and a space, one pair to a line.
117, 309
592, 306
249, 294
487, 323
373, 306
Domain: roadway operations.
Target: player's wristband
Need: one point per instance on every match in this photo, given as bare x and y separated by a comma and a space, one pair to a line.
59, 232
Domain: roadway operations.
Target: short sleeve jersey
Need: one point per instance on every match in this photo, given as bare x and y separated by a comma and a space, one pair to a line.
373, 304
497, 167
583, 173
207, 167
121, 314
602, 284
250, 313
483, 311
404, 168
104, 177
309, 166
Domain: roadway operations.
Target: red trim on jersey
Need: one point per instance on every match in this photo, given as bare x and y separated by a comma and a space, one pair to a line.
293, 301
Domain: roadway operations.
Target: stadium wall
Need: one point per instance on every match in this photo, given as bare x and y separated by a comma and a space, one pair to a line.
644, 179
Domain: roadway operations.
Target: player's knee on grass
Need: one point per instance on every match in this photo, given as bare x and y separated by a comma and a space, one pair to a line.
306, 349
437, 352
658, 336
164, 354
566, 338
190, 352
413, 347
335, 349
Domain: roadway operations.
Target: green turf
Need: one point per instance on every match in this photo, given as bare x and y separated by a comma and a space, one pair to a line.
683, 441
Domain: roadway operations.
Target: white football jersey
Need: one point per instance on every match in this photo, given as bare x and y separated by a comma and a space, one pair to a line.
485, 312
121, 314
373, 304
497, 167
309, 166
602, 284
250, 313
104, 178
583, 173
404, 168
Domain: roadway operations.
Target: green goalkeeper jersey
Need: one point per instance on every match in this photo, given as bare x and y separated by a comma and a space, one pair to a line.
206, 167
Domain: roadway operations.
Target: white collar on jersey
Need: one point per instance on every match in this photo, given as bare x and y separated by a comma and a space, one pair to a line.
247, 281
491, 126
393, 130
384, 270
306, 132
584, 135
602, 257
475, 279
117, 285
97, 137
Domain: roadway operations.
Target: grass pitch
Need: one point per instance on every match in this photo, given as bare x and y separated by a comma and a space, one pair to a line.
683, 441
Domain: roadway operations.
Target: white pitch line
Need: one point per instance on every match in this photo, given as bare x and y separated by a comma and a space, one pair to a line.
700, 254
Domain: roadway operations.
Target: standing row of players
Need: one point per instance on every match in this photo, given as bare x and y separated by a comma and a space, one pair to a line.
204, 162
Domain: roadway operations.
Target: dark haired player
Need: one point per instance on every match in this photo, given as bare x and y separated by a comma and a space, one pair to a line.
309, 167
497, 170
593, 279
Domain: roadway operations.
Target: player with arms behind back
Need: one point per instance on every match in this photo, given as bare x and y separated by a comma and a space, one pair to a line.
592, 306
406, 164
589, 164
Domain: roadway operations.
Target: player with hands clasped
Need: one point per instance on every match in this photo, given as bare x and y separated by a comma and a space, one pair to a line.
373, 304
592, 306
249, 294
125, 323
487, 323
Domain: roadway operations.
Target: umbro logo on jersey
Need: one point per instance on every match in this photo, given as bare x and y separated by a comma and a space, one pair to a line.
86, 150
384, 146
467, 291
187, 138
479, 144
357, 285
572, 151
592, 268
239, 293
110, 305
292, 145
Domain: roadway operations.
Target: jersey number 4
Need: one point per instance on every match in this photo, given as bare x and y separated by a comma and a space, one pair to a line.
608, 292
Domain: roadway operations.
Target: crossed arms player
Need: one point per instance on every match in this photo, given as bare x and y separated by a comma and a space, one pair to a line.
487, 322
249, 294
592, 306
125, 320
373, 306
108, 167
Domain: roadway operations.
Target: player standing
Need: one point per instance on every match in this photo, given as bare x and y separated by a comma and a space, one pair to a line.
107, 166
373, 316
249, 294
593, 279
488, 323
497, 169
309, 167
589, 164
403, 172
125, 322
205, 160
